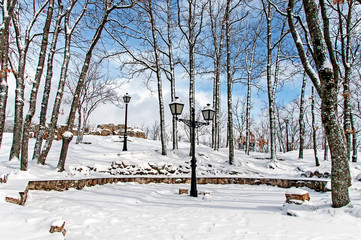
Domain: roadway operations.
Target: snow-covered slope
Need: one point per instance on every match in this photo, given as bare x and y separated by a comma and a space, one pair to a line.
156, 211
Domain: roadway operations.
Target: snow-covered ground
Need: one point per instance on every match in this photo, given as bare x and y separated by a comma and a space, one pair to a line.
157, 211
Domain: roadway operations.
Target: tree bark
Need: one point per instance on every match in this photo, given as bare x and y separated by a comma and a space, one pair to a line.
314, 129
229, 87
301, 117
79, 136
325, 154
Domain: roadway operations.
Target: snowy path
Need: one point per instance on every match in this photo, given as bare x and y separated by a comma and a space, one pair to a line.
156, 211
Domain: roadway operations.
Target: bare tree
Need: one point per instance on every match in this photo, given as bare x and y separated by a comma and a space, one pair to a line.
325, 78
107, 9
169, 70
281, 126
48, 80
301, 120
7, 11
239, 113
347, 28
215, 51
23, 41
35, 88
272, 84
229, 85
314, 128
69, 30
145, 58
97, 90
231, 67
250, 66
190, 22
154, 131
150, 11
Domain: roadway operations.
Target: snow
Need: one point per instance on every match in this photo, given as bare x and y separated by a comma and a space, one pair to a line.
157, 211
67, 134
326, 65
296, 191
358, 177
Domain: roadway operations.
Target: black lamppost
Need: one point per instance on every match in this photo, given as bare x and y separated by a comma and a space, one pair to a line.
286, 121
176, 108
126, 100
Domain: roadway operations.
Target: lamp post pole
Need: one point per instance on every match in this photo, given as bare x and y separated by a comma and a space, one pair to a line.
194, 192
125, 148
126, 99
287, 148
208, 113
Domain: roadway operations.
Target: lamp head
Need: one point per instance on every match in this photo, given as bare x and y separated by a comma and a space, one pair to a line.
126, 98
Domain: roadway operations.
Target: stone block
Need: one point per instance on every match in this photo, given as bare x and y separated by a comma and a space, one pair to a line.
183, 191
58, 227
297, 196
12, 200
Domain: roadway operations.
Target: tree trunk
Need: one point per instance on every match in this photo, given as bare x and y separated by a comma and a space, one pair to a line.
248, 113
62, 79
216, 130
79, 136
347, 110
83, 73
35, 88
325, 154
282, 144
66, 139
172, 74
326, 83
23, 47
47, 85
345, 39
191, 38
7, 9
217, 41
159, 80
301, 116
249, 89
271, 100
19, 93
191, 56
314, 129
229, 87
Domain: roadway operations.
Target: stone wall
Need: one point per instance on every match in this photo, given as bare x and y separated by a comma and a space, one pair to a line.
112, 129
63, 185
102, 130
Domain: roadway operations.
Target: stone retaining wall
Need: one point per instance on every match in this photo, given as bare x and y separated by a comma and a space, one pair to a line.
63, 185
